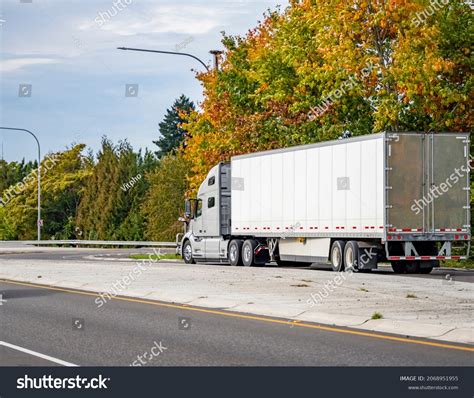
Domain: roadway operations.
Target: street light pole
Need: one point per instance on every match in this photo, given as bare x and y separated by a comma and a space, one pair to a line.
217, 55
39, 173
164, 52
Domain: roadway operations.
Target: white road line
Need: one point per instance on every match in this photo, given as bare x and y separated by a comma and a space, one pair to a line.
37, 354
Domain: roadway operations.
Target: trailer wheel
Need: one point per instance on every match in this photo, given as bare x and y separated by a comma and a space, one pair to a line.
235, 250
412, 267
351, 254
248, 252
337, 255
398, 267
188, 253
426, 270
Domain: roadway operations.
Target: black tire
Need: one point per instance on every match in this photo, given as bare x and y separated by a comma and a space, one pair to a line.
398, 267
337, 255
188, 253
234, 254
351, 256
412, 267
426, 270
248, 252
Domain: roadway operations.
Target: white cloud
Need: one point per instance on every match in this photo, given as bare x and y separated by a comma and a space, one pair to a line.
169, 19
10, 65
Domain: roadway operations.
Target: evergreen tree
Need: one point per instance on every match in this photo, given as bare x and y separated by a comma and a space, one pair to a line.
110, 207
172, 133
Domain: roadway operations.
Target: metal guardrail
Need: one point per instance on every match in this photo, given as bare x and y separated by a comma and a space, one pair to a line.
89, 243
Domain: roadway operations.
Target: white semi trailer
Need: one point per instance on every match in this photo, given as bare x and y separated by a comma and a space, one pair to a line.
397, 197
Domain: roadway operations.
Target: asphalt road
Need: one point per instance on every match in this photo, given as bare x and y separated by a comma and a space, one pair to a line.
85, 254
58, 327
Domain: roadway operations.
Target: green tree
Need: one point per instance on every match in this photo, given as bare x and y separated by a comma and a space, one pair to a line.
13, 172
112, 198
164, 201
172, 134
63, 175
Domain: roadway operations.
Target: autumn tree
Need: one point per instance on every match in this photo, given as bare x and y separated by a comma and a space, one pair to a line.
369, 66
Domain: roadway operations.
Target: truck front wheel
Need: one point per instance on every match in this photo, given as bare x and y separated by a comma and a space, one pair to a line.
188, 253
235, 249
248, 252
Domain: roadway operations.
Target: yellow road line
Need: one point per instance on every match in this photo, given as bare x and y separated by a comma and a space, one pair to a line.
250, 317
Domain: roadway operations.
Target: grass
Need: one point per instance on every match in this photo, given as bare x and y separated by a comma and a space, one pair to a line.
363, 290
154, 257
409, 295
377, 315
466, 264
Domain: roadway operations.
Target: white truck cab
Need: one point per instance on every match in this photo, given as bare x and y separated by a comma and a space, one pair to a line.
208, 218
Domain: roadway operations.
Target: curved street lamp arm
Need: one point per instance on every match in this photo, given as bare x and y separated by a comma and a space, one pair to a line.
164, 52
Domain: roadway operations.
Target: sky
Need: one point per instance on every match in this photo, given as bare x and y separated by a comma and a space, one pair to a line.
62, 77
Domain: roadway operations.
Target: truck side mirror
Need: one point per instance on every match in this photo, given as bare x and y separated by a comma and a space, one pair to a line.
187, 209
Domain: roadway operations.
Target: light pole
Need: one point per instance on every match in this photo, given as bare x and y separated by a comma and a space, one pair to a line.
171, 53
39, 173
217, 55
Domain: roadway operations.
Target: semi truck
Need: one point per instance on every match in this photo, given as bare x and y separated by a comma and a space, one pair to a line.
400, 198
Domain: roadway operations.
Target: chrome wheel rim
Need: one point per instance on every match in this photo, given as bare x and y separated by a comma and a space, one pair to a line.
349, 257
247, 254
233, 253
336, 257
187, 252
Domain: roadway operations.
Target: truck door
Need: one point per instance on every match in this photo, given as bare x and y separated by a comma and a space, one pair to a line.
428, 182
449, 177
198, 242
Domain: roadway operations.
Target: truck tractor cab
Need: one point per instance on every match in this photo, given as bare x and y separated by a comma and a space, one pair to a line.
207, 219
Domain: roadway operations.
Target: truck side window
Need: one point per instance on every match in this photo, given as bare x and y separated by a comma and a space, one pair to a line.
211, 202
198, 208
211, 181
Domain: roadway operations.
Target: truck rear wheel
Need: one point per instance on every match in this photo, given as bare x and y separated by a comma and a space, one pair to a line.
426, 270
235, 250
351, 256
398, 267
412, 267
337, 255
248, 252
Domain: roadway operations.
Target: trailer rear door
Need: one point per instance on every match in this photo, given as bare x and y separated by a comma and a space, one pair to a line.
427, 182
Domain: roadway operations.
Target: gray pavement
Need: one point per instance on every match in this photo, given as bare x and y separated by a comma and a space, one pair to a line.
69, 327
